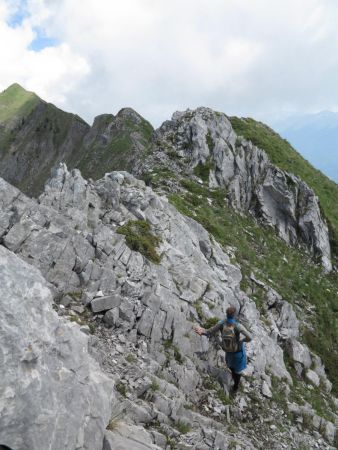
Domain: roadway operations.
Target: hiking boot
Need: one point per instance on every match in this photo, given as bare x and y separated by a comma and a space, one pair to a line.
233, 391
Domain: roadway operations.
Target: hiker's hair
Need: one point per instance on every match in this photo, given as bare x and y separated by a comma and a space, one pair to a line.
231, 311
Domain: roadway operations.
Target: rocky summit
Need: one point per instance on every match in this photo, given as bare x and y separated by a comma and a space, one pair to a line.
105, 273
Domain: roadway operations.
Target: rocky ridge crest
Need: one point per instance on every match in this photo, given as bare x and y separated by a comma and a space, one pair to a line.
141, 316
203, 144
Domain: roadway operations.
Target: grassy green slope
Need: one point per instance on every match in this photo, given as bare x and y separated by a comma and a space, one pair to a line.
16, 102
291, 273
34, 135
283, 155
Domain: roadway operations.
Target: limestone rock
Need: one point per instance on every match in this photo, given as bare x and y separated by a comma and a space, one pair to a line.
205, 138
266, 391
146, 341
299, 353
52, 390
330, 431
104, 303
312, 377
128, 437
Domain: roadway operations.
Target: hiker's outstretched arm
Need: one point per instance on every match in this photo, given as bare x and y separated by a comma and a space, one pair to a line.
243, 330
213, 330
210, 331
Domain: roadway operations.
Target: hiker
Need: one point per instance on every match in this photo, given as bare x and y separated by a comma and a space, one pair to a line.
232, 343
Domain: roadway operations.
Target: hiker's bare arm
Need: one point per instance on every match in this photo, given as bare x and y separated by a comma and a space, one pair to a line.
245, 332
210, 331
199, 330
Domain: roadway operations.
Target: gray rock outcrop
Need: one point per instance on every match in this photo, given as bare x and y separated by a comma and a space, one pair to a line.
205, 139
53, 394
169, 381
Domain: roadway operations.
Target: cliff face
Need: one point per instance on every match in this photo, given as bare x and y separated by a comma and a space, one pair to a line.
203, 143
83, 237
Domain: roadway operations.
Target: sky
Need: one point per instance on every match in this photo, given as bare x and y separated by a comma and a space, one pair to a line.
264, 58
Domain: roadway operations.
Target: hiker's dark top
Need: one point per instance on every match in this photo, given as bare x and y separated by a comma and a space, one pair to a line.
236, 361
238, 327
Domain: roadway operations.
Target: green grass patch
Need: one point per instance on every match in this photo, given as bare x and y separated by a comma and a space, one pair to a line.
154, 385
300, 393
225, 399
183, 427
199, 310
121, 389
212, 321
131, 358
171, 347
202, 170
16, 102
140, 239
210, 141
113, 424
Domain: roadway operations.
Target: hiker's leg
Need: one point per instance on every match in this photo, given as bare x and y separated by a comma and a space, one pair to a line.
237, 378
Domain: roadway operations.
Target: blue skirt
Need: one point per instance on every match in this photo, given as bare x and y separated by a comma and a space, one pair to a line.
237, 360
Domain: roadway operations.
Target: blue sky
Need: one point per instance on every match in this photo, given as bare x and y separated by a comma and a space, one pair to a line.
41, 40
17, 18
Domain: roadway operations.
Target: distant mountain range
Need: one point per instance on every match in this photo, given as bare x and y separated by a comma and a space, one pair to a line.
315, 136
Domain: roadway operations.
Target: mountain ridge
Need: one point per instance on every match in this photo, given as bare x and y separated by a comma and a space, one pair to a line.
170, 386
39, 136
105, 275
48, 137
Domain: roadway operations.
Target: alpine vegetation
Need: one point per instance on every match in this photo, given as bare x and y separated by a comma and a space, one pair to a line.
162, 289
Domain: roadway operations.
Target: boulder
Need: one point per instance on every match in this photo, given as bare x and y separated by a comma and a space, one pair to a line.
312, 377
299, 353
104, 303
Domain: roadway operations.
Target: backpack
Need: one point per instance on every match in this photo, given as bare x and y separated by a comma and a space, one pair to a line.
230, 339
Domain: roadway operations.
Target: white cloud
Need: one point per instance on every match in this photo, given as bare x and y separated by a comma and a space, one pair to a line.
240, 56
52, 72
